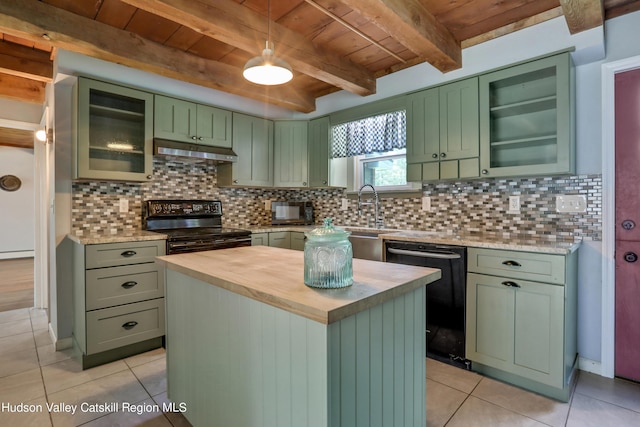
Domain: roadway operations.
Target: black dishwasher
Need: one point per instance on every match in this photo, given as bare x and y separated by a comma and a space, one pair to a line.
445, 301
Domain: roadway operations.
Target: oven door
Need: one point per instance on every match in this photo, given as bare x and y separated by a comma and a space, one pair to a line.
184, 246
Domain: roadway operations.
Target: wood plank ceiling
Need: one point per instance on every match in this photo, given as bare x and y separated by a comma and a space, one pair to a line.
331, 44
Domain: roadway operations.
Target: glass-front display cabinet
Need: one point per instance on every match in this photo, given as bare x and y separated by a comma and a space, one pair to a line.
114, 139
527, 119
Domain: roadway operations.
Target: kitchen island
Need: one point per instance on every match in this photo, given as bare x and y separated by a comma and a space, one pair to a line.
248, 344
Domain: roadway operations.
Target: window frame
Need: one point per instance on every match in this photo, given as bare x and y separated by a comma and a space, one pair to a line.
360, 161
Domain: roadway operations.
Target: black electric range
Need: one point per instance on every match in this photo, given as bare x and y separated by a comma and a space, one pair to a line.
192, 225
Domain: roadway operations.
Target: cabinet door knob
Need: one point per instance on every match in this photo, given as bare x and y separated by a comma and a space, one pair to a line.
128, 254
235, 181
485, 171
130, 325
304, 184
443, 155
149, 177
434, 155
200, 138
630, 257
511, 284
324, 182
511, 263
128, 285
194, 137
628, 224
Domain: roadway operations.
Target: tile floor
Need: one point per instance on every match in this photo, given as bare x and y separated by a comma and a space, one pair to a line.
32, 373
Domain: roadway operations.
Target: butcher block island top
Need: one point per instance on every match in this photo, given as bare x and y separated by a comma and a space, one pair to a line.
275, 276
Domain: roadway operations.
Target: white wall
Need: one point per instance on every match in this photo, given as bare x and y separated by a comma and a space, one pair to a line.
17, 221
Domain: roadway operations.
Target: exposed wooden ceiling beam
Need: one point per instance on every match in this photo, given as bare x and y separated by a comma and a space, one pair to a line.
21, 61
21, 89
508, 29
241, 27
16, 137
409, 22
582, 15
31, 19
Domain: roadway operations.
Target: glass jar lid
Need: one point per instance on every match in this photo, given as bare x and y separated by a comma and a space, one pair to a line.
327, 233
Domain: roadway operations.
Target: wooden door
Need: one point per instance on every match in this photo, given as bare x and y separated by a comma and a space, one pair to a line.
459, 127
213, 126
627, 329
174, 119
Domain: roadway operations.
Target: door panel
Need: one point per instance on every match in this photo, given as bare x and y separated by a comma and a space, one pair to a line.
627, 339
627, 309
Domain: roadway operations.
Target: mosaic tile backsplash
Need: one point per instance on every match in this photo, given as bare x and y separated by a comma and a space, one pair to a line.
467, 207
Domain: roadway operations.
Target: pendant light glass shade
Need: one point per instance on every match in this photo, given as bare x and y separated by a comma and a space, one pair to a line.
267, 69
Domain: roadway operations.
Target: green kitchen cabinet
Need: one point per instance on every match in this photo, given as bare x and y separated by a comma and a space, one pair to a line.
184, 121
259, 239
280, 239
523, 331
253, 143
114, 132
527, 119
290, 154
118, 300
318, 149
297, 240
443, 132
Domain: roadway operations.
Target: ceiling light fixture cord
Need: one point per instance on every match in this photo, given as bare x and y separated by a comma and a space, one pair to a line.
267, 69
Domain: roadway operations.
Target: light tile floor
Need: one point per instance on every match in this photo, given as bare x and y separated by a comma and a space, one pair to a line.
32, 373
457, 398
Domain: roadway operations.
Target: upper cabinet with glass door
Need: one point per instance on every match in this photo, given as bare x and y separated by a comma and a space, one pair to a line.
114, 139
527, 119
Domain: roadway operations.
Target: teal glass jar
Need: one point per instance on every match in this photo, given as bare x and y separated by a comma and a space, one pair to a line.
328, 257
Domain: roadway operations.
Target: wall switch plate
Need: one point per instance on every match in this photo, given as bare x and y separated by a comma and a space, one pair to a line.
575, 203
344, 204
426, 203
124, 205
267, 205
514, 203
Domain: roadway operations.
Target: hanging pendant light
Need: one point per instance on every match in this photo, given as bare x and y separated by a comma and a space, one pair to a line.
267, 69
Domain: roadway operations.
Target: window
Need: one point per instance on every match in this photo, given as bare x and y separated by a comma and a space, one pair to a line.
377, 148
385, 171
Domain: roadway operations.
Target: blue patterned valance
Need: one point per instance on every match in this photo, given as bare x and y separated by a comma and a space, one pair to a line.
377, 134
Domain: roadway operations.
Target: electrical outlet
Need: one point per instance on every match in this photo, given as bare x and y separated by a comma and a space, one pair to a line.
514, 203
426, 203
576, 203
345, 204
124, 205
267, 205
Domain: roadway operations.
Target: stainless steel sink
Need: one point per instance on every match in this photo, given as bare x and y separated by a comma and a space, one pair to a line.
366, 244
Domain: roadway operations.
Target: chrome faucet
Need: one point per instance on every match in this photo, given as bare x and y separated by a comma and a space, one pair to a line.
377, 221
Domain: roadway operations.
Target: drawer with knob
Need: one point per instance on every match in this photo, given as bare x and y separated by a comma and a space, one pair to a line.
123, 285
116, 254
118, 326
548, 268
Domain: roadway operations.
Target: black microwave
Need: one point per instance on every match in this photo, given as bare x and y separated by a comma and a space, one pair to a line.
292, 213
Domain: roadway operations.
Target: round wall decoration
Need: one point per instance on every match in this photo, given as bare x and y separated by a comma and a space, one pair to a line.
10, 183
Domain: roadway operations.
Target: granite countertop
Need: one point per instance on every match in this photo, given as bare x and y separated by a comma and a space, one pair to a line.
119, 237
275, 276
448, 238
277, 228
479, 241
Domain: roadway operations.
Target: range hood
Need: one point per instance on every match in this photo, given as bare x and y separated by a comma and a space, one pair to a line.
195, 151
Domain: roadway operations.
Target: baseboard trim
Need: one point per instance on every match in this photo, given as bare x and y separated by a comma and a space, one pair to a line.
589, 365
17, 255
60, 344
